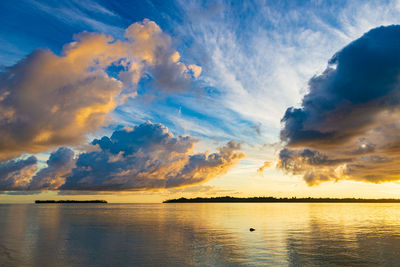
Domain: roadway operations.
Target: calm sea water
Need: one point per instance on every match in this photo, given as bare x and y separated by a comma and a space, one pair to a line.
294, 234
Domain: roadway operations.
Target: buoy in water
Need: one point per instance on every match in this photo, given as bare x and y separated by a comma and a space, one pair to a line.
252, 229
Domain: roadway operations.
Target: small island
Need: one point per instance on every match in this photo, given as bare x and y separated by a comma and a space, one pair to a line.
69, 201
228, 199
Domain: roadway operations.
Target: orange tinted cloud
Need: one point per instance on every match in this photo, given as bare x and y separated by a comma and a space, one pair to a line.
266, 165
47, 100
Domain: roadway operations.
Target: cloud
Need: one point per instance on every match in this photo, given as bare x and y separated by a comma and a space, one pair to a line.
52, 177
47, 100
195, 69
197, 190
88, 14
347, 126
22, 174
266, 165
148, 157
16, 174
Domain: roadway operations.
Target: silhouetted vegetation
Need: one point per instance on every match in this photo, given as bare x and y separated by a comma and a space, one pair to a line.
228, 199
69, 201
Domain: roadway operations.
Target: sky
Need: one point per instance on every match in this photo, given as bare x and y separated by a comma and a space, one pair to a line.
142, 101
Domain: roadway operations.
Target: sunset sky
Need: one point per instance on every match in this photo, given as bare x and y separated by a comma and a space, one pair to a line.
142, 101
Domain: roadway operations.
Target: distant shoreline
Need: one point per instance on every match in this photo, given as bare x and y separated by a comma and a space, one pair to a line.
229, 199
69, 201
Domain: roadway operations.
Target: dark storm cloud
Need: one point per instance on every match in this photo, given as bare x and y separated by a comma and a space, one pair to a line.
350, 116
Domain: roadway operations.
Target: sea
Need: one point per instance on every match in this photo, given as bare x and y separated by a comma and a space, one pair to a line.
200, 234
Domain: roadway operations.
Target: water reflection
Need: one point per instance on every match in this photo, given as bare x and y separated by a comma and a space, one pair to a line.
347, 234
199, 234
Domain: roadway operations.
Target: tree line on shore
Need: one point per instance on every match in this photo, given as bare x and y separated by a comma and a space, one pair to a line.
228, 199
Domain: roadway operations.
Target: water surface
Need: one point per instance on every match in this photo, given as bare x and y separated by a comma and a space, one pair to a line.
200, 234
